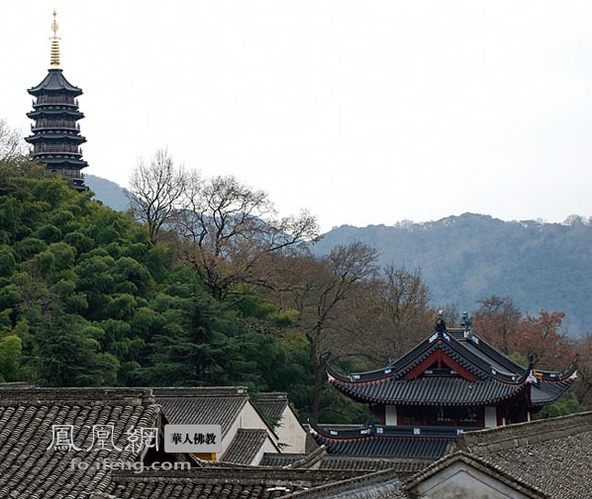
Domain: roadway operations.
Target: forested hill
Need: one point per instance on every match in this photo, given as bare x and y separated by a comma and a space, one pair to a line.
469, 257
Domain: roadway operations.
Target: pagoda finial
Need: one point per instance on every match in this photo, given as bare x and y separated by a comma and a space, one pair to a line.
55, 43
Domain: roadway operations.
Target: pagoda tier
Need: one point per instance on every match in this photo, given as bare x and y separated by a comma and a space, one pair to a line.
56, 137
454, 378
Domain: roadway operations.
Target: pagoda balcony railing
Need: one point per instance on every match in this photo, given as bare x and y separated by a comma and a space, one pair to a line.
50, 124
55, 99
57, 148
65, 172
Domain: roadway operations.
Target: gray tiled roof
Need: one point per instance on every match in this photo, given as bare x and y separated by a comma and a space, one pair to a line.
393, 442
280, 460
29, 470
202, 405
245, 446
272, 404
220, 483
554, 455
403, 467
369, 486
399, 447
434, 391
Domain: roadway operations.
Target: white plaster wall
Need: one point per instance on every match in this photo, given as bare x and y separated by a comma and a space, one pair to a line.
249, 418
490, 417
461, 480
291, 433
390, 415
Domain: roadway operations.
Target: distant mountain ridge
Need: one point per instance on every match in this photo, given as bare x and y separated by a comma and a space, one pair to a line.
469, 257
109, 193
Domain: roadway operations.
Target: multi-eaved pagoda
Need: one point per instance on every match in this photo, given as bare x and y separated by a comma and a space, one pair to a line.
56, 135
451, 382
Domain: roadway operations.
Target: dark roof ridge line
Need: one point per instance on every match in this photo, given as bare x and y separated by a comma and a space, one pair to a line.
448, 338
457, 347
438, 342
271, 394
88, 396
232, 473
309, 460
486, 367
403, 431
493, 352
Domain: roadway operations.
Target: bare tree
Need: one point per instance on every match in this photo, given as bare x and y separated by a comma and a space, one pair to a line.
156, 188
498, 320
404, 298
11, 143
15, 163
228, 229
320, 290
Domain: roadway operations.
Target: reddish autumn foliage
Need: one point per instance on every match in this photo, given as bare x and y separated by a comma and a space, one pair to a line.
500, 322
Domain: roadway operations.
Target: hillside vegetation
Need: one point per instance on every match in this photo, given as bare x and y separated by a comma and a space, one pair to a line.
212, 289
87, 299
469, 257
466, 258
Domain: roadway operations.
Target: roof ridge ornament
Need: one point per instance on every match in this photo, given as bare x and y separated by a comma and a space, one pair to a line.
467, 325
441, 323
55, 43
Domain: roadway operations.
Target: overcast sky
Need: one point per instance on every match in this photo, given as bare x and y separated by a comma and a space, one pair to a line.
364, 112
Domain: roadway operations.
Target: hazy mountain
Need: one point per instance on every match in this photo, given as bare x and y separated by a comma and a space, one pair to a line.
110, 193
469, 257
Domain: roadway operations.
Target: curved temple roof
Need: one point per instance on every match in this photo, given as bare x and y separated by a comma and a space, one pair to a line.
480, 375
55, 81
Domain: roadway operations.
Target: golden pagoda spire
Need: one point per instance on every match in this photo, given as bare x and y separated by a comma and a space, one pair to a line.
55, 43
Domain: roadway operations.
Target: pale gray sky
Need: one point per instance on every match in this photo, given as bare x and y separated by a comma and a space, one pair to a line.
361, 111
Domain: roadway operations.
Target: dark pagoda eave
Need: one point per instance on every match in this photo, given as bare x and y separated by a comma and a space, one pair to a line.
55, 82
77, 115
74, 162
79, 139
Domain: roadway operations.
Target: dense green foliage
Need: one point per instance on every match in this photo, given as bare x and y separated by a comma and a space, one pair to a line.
86, 299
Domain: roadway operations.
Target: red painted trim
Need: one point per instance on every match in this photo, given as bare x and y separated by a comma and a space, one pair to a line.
435, 356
